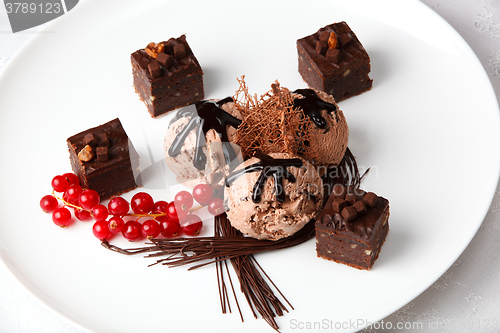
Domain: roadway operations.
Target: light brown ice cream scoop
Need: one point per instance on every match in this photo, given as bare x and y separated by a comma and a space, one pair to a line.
196, 156
273, 199
328, 135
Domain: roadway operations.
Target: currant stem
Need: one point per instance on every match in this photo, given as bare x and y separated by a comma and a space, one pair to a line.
66, 203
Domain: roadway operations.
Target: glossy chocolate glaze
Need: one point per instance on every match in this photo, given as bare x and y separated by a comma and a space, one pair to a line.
269, 167
312, 105
208, 115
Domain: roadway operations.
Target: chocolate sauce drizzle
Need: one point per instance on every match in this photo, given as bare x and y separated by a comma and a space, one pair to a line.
269, 167
208, 115
312, 105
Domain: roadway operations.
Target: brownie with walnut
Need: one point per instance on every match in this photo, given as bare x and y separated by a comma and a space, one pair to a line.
352, 227
167, 75
105, 160
334, 61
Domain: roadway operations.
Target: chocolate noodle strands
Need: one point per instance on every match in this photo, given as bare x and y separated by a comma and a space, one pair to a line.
229, 244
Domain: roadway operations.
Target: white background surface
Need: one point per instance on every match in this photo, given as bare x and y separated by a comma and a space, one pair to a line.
464, 299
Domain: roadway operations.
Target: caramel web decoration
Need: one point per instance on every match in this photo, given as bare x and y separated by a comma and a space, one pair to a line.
271, 122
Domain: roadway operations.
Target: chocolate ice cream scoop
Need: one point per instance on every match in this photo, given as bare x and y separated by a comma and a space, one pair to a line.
273, 196
328, 134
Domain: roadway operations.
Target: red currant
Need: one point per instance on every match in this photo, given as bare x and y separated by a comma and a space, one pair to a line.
216, 206
59, 183
82, 215
159, 208
48, 203
203, 193
132, 231
150, 229
181, 209
72, 194
116, 224
100, 212
101, 231
118, 206
61, 216
192, 225
170, 229
142, 203
88, 199
185, 199
71, 178
175, 213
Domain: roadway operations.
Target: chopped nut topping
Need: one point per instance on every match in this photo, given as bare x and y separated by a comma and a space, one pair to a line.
86, 154
160, 47
153, 49
332, 41
150, 52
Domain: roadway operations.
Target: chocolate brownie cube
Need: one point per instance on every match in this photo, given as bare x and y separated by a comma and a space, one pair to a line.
113, 167
334, 61
167, 75
355, 236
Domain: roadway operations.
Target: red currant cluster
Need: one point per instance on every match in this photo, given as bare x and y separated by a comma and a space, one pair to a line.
162, 218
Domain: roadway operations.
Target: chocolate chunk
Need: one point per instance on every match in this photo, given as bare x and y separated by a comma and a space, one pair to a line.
165, 59
370, 199
333, 55
89, 139
103, 139
167, 47
339, 191
349, 213
179, 51
154, 68
338, 205
321, 47
324, 35
102, 154
360, 208
171, 43
344, 39
350, 198
360, 194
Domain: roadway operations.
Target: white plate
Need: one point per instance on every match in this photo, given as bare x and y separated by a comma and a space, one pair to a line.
429, 129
